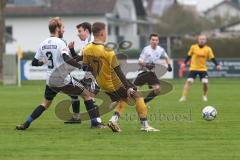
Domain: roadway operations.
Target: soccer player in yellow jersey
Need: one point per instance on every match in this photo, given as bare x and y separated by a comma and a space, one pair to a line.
105, 67
199, 54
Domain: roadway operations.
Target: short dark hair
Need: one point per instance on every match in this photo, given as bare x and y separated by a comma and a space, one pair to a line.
54, 23
85, 25
153, 35
97, 27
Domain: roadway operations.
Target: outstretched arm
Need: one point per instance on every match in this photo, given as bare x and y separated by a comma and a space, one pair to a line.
69, 60
36, 62
216, 63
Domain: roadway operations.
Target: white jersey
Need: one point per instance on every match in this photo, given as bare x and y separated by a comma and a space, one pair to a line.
84, 43
51, 50
150, 55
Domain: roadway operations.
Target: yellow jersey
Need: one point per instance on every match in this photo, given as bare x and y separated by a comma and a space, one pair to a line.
199, 57
102, 62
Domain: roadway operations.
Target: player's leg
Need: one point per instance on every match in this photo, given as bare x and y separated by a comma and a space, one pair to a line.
49, 96
75, 88
192, 75
92, 109
154, 82
119, 109
151, 79
119, 97
76, 119
141, 109
204, 80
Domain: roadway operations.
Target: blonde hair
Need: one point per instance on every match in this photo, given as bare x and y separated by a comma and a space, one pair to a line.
54, 23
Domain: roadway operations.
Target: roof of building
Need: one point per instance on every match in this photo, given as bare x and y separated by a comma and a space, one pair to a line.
62, 8
232, 3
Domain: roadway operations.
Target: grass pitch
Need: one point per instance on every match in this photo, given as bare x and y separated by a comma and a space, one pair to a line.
184, 134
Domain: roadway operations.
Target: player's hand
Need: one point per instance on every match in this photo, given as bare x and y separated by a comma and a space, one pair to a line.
130, 92
150, 66
183, 65
71, 45
169, 69
218, 67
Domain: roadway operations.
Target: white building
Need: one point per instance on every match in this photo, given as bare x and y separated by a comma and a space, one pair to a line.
226, 9
27, 20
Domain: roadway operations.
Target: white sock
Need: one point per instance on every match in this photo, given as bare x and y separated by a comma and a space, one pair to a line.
144, 124
114, 118
76, 115
99, 120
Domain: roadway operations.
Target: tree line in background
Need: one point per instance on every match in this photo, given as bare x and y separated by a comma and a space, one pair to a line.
181, 20
2, 36
176, 21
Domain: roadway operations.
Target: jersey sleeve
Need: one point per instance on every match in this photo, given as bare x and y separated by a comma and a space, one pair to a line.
63, 48
39, 55
113, 59
164, 53
143, 54
84, 56
190, 52
210, 54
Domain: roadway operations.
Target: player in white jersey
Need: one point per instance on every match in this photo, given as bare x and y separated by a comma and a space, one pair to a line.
60, 64
147, 60
89, 82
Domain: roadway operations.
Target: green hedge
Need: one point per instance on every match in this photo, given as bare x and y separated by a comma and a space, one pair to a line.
222, 48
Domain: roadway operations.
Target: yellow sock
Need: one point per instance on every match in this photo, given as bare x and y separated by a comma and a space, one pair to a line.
121, 106
141, 108
185, 93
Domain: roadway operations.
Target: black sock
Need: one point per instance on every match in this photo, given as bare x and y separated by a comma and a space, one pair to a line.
117, 114
35, 114
92, 110
149, 97
75, 106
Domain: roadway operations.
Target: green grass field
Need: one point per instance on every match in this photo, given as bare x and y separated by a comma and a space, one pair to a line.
185, 137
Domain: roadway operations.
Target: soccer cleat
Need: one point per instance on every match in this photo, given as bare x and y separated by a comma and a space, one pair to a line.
99, 125
182, 99
149, 129
114, 127
205, 99
73, 121
22, 127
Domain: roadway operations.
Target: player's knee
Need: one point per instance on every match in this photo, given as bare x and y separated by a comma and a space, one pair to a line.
157, 89
190, 80
74, 98
204, 81
46, 103
86, 95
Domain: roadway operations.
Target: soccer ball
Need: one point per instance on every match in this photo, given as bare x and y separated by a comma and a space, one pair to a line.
209, 113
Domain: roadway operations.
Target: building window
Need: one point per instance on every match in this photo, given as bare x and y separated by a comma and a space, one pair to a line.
9, 30
109, 29
117, 31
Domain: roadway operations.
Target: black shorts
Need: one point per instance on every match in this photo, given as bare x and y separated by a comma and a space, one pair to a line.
149, 78
120, 94
72, 91
49, 93
201, 74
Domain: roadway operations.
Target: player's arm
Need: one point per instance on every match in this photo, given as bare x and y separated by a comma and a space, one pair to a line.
86, 67
36, 60
119, 72
189, 56
73, 52
145, 66
168, 61
69, 60
213, 59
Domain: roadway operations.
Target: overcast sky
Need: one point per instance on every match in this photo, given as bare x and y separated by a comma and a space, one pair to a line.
202, 5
